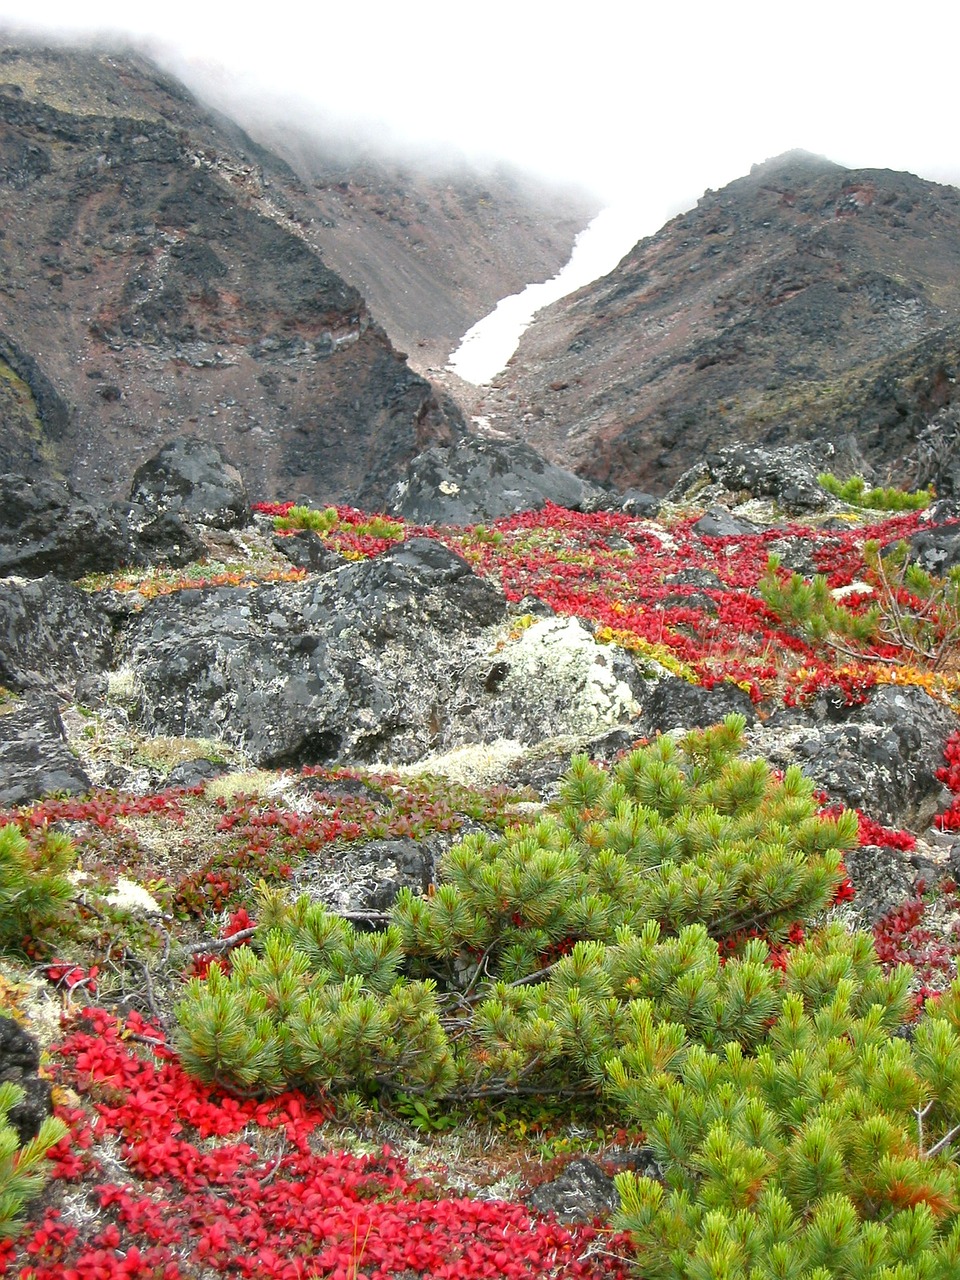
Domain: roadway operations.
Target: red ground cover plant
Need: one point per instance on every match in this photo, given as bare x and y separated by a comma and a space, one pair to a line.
220, 1186
611, 570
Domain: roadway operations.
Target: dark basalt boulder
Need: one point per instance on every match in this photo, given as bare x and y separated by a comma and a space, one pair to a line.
788, 475
19, 1064
35, 760
192, 479
671, 704
937, 549
477, 479
51, 634
307, 550
884, 878
161, 538
368, 875
580, 1193
351, 665
881, 757
719, 523
417, 583
46, 527
391, 658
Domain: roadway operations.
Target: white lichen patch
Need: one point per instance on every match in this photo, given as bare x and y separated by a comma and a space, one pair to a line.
478, 764
854, 588
124, 687
127, 895
251, 782
557, 665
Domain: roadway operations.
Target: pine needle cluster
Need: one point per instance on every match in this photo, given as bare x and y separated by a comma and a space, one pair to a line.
34, 890
903, 610
22, 1172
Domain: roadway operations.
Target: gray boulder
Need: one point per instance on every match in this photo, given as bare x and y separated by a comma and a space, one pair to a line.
787, 475
478, 479
580, 1193
35, 760
192, 479
19, 1064
367, 875
881, 757
47, 528
393, 658
51, 634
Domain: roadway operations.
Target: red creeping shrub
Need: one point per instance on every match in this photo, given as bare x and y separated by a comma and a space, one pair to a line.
217, 1186
949, 775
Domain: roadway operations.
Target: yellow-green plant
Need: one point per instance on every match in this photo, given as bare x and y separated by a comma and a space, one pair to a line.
306, 518
22, 1172
855, 492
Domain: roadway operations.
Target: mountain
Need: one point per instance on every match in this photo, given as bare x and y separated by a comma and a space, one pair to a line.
162, 272
804, 301
431, 247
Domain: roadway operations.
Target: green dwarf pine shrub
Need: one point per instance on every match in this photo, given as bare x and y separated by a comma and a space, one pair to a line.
306, 518
910, 609
826, 1152
519, 970
855, 492
22, 1175
34, 889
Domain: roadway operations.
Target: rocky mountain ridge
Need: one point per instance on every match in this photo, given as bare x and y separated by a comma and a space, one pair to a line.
802, 302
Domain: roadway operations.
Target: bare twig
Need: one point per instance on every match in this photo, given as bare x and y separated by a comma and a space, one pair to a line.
217, 945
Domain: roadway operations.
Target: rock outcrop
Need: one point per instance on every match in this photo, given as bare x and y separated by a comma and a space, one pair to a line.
477, 479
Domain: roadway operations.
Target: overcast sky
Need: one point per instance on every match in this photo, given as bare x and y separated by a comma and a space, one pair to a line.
654, 102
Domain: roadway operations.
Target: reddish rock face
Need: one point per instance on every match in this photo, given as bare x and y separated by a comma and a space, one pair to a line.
805, 301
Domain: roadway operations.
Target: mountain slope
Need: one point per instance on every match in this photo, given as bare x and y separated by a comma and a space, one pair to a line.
432, 248
160, 273
803, 301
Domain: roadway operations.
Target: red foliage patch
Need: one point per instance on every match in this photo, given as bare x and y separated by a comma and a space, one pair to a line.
202, 1199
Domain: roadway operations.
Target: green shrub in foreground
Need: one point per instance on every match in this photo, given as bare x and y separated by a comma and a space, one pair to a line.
521, 970
806, 1130
21, 1168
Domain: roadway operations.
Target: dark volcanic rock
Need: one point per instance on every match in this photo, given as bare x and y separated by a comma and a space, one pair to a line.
389, 658
718, 523
191, 478
35, 760
45, 527
307, 550
884, 878
881, 757
161, 538
19, 1063
580, 1193
368, 875
937, 549
787, 475
51, 634
478, 479
672, 703
353, 664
